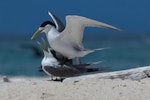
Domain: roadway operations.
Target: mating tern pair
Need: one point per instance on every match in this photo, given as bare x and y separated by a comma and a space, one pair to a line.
51, 65
68, 40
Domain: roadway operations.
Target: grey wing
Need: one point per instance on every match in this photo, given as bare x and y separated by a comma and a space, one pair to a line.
63, 71
59, 25
75, 27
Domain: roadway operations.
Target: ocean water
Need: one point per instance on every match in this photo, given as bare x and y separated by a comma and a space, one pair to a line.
125, 51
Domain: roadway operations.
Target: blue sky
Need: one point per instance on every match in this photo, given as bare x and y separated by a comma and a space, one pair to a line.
25, 16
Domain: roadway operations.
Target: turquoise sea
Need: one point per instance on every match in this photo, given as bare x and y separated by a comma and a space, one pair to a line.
18, 56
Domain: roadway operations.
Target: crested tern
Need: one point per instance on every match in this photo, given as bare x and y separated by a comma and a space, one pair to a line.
48, 58
68, 40
52, 66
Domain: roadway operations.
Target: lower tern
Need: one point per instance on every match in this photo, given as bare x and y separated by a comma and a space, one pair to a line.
52, 66
68, 41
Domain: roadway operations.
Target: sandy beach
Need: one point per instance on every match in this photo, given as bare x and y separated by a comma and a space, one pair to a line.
23, 88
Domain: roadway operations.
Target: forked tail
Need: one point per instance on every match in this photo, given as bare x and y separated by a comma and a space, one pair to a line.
86, 52
101, 49
96, 69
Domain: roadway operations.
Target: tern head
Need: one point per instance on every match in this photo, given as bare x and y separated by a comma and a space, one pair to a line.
48, 53
49, 59
45, 48
44, 27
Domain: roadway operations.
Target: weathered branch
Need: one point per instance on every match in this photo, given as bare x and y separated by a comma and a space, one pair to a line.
133, 74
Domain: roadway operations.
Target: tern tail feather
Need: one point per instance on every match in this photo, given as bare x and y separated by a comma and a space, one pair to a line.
95, 69
86, 52
101, 48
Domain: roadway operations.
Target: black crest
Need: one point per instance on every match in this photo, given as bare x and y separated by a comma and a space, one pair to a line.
46, 23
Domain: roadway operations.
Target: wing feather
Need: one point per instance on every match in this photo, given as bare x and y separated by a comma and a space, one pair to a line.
59, 25
62, 71
75, 27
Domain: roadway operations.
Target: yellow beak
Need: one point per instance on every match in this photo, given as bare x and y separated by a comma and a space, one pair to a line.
36, 33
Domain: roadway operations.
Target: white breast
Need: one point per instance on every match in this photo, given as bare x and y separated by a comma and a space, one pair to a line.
49, 62
52, 34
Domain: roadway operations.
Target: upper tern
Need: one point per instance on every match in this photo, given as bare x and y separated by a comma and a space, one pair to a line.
68, 41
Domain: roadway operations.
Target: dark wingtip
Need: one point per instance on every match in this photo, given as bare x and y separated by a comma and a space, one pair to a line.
97, 69
59, 25
92, 69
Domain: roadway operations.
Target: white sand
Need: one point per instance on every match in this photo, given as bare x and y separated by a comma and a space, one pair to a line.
132, 84
90, 89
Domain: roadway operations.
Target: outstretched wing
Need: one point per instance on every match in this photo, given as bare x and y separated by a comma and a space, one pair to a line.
75, 27
59, 25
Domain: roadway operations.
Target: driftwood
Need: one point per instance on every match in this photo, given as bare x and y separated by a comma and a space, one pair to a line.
133, 74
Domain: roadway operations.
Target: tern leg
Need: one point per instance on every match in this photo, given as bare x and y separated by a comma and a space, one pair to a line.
40, 69
58, 79
78, 61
